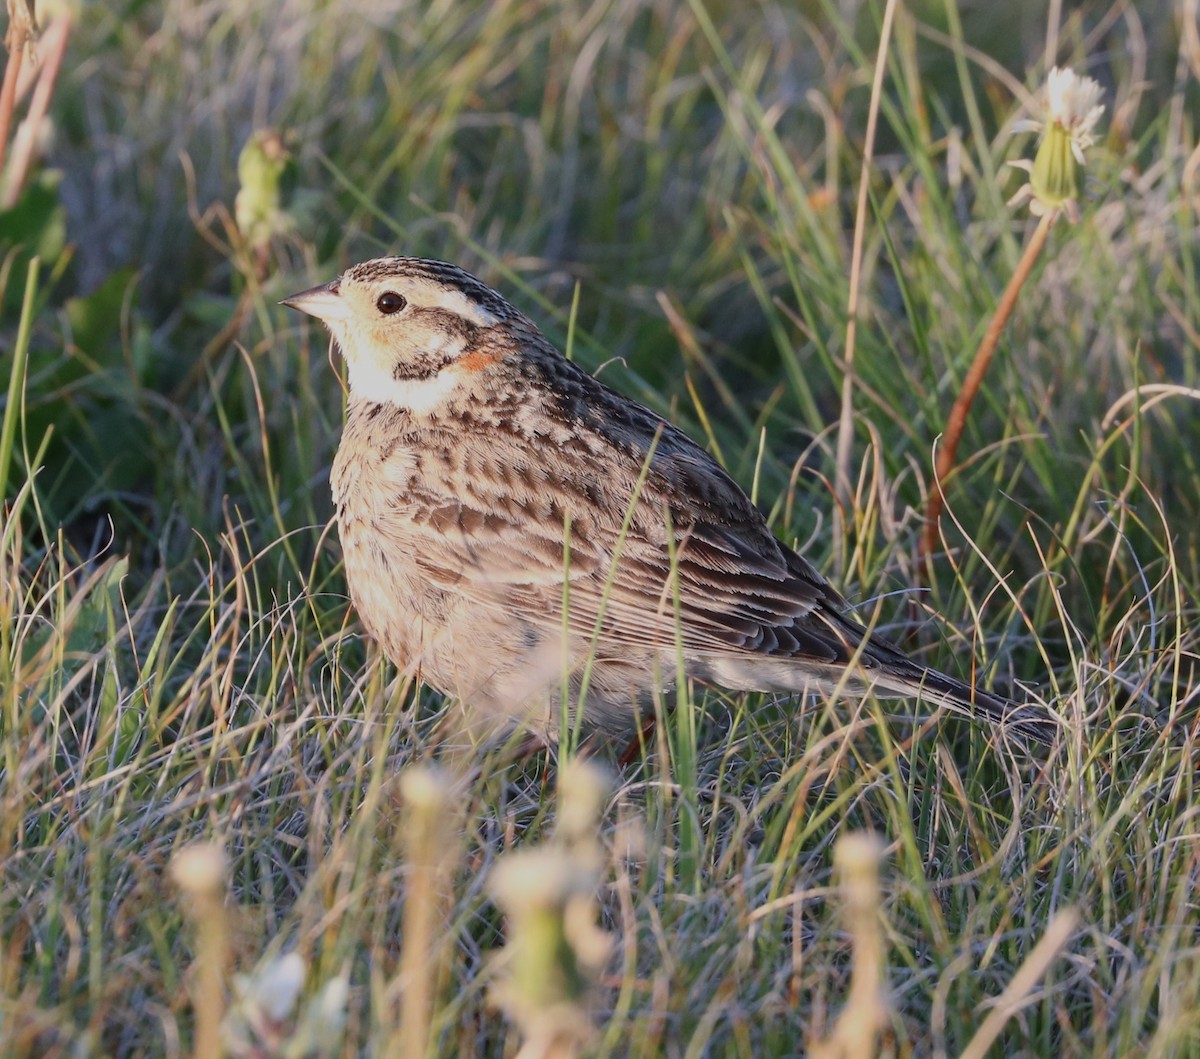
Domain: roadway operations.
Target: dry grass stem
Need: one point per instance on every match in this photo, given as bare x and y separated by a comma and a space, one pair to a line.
431, 843
855, 1034
1058, 933
200, 873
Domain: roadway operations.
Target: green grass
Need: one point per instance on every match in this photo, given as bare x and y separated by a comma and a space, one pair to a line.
669, 187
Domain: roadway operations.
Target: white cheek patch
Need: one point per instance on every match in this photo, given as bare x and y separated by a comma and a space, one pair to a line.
373, 353
435, 296
419, 396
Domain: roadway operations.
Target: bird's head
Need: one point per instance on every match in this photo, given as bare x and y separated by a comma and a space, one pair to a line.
412, 331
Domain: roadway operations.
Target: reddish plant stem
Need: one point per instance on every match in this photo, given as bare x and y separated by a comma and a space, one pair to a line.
966, 397
52, 45
8, 90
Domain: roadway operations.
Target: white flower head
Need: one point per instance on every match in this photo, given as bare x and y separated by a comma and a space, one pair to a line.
1056, 174
262, 1019
274, 988
324, 1019
1074, 103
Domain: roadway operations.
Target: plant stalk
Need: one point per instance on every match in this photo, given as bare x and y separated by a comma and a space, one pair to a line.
957, 421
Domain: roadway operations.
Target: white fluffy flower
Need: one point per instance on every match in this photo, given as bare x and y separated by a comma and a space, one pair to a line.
1056, 174
1074, 103
275, 987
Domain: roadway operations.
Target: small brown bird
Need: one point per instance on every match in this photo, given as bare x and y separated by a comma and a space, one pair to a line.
512, 528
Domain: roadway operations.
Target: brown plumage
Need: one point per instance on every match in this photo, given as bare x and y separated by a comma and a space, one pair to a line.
483, 481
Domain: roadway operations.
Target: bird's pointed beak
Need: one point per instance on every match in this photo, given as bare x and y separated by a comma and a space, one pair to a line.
323, 302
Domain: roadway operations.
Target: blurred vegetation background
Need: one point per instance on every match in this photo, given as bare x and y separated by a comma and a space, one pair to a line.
668, 187
614, 146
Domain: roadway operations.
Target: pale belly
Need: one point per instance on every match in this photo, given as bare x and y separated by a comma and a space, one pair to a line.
506, 668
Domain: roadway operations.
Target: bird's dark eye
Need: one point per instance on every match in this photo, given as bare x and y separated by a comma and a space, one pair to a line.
390, 302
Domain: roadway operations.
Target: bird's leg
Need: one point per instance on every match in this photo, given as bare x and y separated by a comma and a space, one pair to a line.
638, 743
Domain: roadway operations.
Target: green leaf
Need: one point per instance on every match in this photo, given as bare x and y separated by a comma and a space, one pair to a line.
38, 224
95, 320
99, 612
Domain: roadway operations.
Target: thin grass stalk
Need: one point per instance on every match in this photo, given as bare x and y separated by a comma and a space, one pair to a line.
956, 423
683, 740
1058, 933
845, 439
16, 378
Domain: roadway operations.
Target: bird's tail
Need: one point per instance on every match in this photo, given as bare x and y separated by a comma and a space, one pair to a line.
879, 667
892, 672
1028, 721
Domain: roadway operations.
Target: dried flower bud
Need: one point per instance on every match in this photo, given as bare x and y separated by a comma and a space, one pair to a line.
583, 790
554, 949
267, 175
200, 869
